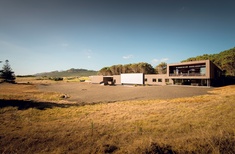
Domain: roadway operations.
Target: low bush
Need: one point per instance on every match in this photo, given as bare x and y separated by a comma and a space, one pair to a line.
56, 78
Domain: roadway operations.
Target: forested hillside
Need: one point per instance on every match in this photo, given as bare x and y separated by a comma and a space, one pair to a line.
225, 60
128, 68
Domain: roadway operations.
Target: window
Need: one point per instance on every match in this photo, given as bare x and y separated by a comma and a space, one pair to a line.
159, 80
146, 80
154, 80
166, 80
203, 71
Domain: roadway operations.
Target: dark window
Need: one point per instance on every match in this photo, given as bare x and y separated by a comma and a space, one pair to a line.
154, 80
159, 80
145, 79
166, 80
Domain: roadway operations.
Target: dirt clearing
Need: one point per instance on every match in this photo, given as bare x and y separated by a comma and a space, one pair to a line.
94, 93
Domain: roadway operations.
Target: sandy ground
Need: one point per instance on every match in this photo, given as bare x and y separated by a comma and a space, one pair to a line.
94, 93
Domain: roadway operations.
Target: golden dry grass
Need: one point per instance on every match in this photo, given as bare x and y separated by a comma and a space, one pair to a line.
200, 124
26, 92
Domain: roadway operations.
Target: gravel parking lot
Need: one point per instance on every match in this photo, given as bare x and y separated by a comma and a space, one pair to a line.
94, 93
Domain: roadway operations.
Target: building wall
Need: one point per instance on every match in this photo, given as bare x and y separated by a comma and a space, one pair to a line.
208, 69
117, 79
215, 72
157, 79
132, 78
151, 79
96, 79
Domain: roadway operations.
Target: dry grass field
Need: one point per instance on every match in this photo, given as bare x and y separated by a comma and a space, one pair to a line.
34, 121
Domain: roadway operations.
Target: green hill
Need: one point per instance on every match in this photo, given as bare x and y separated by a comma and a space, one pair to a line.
68, 73
225, 60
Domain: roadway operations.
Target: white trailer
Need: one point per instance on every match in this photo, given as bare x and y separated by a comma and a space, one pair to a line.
132, 78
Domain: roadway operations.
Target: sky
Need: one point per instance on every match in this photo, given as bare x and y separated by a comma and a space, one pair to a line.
48, 35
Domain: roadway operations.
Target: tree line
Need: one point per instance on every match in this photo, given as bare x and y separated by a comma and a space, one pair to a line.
225, 60
141, 67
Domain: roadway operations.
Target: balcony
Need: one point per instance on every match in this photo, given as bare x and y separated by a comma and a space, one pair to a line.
187, 74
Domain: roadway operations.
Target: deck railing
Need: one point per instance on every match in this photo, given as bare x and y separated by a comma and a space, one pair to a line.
187, 74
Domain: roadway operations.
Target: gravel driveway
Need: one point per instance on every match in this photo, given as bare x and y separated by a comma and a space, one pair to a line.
94, 93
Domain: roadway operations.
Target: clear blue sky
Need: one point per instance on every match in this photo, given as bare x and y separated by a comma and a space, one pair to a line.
46, 35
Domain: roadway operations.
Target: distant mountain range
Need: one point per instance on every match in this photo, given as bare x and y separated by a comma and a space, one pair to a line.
68, 73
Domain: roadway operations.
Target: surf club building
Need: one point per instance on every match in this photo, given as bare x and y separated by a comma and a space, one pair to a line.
194, 73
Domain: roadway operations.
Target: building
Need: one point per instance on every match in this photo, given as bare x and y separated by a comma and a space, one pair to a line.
195, 73
199, 73
106, 80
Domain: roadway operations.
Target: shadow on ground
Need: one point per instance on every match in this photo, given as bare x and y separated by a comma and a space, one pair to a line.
157, 149
24, 105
